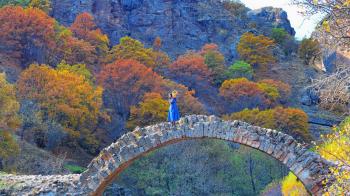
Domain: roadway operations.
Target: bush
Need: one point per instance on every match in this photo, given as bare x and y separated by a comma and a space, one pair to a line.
288, 120
75, 169
308, 50
151, 110
240, 69
284, 89
262, 94
279, 35
215, 62
256, 50
292, 186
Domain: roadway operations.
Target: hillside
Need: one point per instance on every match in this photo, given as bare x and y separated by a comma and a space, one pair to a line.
80, 74
181, 24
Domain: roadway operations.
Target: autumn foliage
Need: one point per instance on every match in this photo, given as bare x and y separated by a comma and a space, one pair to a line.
191, 64
9, 119
291, 186
284, 89
215, 62
288, 120
85, 28
129, 48
335, 146
266, 93
151, 110
256, 50
129, 80
64, 97
25, 29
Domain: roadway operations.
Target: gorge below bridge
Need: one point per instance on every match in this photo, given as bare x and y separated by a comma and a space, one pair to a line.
309, 167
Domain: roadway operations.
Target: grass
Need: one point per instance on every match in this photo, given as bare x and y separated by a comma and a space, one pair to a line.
75, 169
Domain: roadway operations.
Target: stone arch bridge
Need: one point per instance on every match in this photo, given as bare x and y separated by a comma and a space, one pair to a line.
308, 166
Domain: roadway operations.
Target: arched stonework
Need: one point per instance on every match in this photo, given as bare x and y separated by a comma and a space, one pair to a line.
308, 166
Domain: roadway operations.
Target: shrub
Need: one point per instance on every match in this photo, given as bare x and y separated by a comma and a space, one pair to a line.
308, 50
336, 147
9, 119
151, 110
241, 89
240, 69
215, 62
279, 35
292, 186
75, 169
284, 89
289, 120
256, 50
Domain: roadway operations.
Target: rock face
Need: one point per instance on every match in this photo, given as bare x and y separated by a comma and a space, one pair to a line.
181, 24
308, 166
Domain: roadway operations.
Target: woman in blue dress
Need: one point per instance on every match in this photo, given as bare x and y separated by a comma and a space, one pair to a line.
173, 114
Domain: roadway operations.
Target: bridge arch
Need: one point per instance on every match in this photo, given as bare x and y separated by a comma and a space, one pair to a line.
308, 166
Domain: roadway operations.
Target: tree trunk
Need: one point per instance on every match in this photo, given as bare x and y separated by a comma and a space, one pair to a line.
251, 165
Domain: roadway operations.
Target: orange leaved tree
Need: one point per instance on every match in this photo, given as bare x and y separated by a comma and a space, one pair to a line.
84, 27
64, 97
191, 65
256, 50
152, 109
26, 33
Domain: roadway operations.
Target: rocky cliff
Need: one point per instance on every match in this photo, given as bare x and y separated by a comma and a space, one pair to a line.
181, 24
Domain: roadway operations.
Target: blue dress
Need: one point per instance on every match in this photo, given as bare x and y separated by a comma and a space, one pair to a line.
173, 114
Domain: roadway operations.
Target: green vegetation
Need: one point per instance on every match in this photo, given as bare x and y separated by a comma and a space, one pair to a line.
75, 169
279, 35
216, 168
240, 69
44, 5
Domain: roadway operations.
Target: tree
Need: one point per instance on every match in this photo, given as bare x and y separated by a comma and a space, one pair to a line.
288, 120
284, 89
14, 3
72, 49
254, 94
151, 110
256, 50
79, 69
66, 98
191, 65
129, 48
44, 5
291, 186
128, 80
85, 28
336, 17
333, 90
215, 62
240, 69
335, 147
279, 35
309, 49
26, 33
9, 119
187, 101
